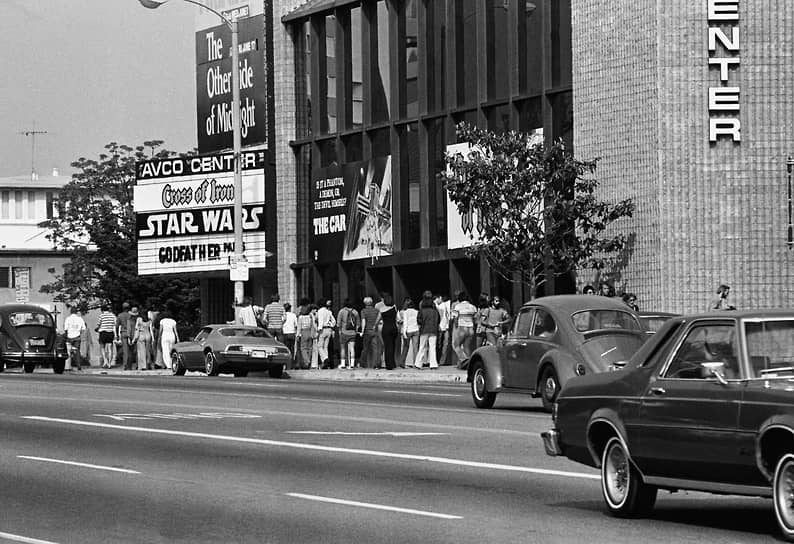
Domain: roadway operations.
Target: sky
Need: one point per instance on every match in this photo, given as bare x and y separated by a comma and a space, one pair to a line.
89, 72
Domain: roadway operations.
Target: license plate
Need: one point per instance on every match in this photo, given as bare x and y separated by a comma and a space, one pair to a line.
258, 354
36, 342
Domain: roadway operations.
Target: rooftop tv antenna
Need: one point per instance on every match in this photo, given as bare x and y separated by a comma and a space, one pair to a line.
33, 133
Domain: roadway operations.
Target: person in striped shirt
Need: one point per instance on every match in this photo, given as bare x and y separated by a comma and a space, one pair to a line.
273, 317
106, 327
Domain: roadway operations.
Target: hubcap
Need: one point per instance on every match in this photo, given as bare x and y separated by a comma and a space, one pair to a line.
479, 384
210, 363
616, 477
785, 495
550, 387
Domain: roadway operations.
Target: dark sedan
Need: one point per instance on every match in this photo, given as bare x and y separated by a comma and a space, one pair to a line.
552, 340
707, 404
235, 349
28, 338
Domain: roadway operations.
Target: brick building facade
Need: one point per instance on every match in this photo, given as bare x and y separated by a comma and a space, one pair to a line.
707, 212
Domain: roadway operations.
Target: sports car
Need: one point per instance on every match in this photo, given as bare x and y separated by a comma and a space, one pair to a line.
235, 349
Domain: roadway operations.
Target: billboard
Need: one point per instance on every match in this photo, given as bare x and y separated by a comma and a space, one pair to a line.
185, 212
351, 211
214, 85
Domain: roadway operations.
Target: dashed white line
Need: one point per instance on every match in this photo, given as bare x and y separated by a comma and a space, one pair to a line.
314, 447
345, 433
28, 540
76, 464
424, 394
373, 506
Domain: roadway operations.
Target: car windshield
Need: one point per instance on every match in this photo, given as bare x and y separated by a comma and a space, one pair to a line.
252, 333
770, 347
19, 319
593, 320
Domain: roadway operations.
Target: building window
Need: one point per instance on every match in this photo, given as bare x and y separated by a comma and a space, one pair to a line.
409, 205
303, 81
561, 48
4, 207
467, 51
8, 276
330, 73
18, 202
530, 47
381, 79
437, 146
356, 88
436, 36
411, 56
328, 154
31, 205
50, 205
353, 150
499, 28
380, 142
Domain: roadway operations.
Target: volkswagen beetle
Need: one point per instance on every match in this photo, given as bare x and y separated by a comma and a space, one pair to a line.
552, 340
28, 337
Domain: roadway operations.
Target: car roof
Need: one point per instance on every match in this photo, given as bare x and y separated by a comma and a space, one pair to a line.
227, 325
16, 307
576, 303
767, 313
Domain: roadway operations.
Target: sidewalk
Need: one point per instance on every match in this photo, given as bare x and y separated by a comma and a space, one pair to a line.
444, 374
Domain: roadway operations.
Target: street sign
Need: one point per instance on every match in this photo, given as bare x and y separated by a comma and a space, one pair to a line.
238, 270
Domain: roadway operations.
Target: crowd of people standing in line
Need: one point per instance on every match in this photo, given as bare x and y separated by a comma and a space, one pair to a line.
133, 339
429, 332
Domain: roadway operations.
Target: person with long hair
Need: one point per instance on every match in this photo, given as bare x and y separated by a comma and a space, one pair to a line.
429, 319
168, 337
142, 339
389, 332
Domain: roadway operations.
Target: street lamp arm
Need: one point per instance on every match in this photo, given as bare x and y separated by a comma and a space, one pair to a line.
154, 4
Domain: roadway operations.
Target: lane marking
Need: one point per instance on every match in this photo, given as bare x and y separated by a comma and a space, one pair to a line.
373, 506
28, 540
424, 394
313, 447
344, 433
76, 464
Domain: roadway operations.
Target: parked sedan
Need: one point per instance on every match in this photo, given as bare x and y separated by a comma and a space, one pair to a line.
235, 349
705, 405
28, 338
552, 340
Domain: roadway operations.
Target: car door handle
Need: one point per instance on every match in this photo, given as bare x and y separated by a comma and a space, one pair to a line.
658, 391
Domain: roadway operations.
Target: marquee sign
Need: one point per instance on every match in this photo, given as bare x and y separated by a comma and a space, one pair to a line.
185, 213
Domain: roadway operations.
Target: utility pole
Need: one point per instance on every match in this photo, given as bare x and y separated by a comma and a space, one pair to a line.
33, 133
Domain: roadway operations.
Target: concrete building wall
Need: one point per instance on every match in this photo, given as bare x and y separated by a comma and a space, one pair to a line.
707, 213
286, 175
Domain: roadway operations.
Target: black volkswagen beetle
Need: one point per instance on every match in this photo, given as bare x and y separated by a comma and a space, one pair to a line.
28, 337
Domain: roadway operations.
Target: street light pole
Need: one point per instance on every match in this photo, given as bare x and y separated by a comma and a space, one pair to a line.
239, 255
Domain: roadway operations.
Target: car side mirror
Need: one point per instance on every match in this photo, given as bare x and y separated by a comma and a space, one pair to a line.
714, 369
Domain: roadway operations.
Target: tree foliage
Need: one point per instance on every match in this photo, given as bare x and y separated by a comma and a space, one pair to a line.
535, 205
95, 225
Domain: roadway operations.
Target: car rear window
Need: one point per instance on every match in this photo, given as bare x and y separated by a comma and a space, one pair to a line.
255, 333
18, 319
594, 320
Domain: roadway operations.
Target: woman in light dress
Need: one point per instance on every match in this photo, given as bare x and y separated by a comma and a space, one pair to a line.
168, 337
143, 341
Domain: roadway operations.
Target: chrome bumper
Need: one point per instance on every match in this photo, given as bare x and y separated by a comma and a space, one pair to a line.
551, 441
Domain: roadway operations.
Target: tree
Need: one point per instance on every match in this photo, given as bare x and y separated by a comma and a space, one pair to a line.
95, 225
534, 205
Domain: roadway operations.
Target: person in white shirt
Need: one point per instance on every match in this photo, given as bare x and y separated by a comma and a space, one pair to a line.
464, 314
74, 326
289, 328
326, 322
443, 307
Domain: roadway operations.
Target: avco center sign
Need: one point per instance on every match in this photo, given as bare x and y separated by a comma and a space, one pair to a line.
184, 213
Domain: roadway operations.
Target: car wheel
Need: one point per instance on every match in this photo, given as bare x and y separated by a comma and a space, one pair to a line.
58, 366
240, 373
549, 387
783, 493
276, 371
479, 393
625, 494
177, 364
211, 364
28, 367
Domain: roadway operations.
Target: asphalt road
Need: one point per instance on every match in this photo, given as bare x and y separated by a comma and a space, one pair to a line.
93, 458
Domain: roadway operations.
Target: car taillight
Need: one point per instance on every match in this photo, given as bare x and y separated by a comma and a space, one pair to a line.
554, 409
580, 369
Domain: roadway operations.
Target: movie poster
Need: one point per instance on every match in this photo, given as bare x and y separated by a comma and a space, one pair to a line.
352, 211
